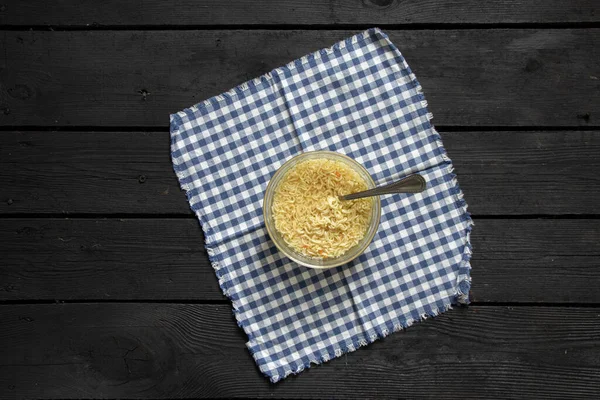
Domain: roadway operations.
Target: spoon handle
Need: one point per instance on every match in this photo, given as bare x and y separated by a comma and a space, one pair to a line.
412, 184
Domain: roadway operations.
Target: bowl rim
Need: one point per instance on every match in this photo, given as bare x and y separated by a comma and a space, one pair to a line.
271, 188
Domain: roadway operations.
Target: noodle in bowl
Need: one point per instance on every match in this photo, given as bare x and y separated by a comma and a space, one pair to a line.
305, 218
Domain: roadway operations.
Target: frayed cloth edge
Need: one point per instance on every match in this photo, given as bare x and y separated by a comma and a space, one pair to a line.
360, 342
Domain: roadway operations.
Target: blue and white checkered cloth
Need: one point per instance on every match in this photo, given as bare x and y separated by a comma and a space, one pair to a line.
360, 98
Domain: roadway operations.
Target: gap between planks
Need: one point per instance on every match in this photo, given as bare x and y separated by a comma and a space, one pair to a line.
225, 301
192, 216
316, 27
439, 128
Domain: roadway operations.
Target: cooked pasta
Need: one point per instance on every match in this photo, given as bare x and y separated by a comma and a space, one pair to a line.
309, 215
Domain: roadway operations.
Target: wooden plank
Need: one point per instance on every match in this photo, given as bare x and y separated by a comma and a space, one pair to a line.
158, 259
501, 173
171, 351
297, 12
89, 172
512, 173
489, 77
524, 260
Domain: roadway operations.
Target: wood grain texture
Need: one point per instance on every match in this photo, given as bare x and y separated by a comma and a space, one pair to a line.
501, 173
296, 12
172, 351
490, 77
164, 259
158, 259
89, 172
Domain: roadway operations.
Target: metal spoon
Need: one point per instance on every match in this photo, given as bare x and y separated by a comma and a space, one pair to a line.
412, 184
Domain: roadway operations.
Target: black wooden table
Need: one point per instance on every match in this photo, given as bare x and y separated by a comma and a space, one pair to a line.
105, 287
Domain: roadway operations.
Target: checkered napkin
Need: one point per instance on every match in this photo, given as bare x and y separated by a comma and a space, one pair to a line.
359, 98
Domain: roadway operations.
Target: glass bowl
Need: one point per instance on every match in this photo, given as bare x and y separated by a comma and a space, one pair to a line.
349, 255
